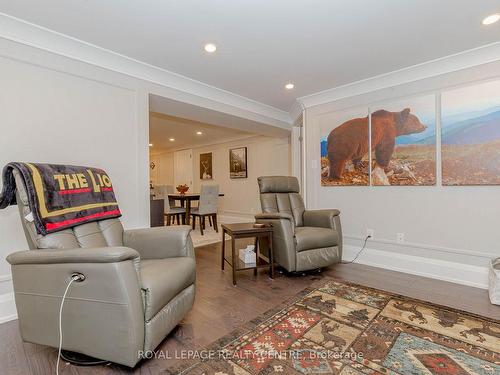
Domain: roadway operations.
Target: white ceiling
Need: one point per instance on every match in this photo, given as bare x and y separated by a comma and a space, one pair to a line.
263, 44
163, 127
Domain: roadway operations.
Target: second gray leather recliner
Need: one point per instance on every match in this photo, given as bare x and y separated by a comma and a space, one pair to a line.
302, 239
139, 285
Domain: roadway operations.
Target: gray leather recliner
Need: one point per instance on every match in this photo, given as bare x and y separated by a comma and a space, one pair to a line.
139, 285
302, 239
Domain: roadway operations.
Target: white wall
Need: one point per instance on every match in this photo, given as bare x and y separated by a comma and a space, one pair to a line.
241, 198
266, 156
163, 173
54, 116
450, 232
60, 117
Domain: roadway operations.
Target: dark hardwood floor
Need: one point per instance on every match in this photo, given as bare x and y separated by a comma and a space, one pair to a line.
220, 308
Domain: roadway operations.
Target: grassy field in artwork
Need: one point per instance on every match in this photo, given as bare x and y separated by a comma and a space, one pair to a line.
471, 164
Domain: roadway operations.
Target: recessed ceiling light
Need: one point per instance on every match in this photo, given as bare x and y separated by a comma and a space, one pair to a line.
210, 47
150, 145
289, 86
492, 18
199, 133
171, 139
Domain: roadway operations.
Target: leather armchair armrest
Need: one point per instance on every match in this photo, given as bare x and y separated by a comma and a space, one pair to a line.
322, 219
79, 255
160, 242
283, 237
274, 216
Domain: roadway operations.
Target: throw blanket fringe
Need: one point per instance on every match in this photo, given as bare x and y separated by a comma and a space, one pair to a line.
60, 196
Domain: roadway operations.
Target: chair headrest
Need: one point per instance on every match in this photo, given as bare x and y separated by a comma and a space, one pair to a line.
278, 184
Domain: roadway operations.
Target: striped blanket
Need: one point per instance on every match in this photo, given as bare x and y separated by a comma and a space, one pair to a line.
61, 196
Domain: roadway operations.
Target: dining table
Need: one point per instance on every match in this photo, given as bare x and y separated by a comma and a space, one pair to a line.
185, 200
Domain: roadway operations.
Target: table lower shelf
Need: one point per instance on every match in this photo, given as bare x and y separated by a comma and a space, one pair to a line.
241, 266
246, 230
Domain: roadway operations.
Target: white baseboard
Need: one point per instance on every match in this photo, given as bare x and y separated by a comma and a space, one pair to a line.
460, 273
389, 255
8, 310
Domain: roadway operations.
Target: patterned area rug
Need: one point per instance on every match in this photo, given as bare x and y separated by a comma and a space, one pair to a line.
347, 329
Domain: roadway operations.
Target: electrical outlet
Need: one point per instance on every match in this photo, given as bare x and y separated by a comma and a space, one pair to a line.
400, 237
370, 232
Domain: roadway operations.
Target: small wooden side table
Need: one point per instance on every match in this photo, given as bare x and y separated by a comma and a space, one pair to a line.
247, 230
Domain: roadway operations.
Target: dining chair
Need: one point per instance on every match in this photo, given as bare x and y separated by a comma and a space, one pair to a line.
162, 191
172, 212
207, 206
169, 189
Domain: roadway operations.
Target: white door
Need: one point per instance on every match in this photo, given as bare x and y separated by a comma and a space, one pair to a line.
183, 168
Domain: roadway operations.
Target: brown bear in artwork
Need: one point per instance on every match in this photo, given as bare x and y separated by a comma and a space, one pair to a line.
349, 141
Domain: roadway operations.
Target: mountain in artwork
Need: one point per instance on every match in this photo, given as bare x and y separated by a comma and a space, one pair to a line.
475, 130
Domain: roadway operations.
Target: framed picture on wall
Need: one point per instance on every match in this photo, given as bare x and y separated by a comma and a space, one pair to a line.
206, 166
403, 141
344, 148
470, 135
238, 163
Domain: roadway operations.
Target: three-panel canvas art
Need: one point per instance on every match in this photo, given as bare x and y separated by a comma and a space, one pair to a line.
402, 138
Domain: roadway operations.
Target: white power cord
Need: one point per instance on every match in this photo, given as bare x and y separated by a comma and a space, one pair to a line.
74, 278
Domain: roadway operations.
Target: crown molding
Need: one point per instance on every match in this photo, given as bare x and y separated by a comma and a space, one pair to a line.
448, 64
296, 110
23, 32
